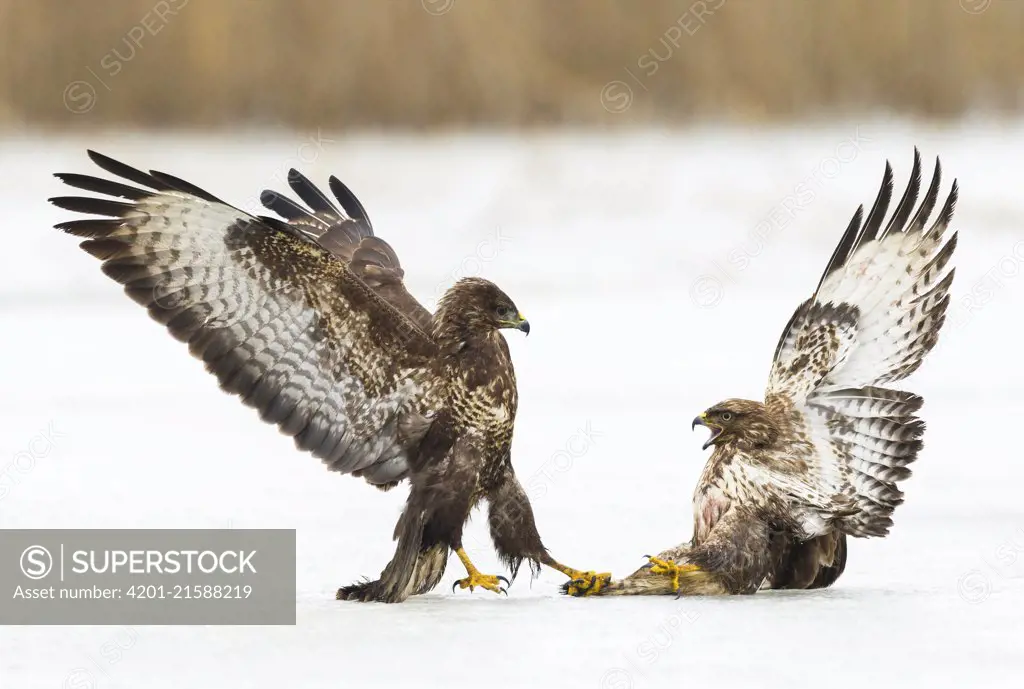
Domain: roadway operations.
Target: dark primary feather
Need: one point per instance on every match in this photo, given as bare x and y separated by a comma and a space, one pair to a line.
845, 246
119, 169
349, 236
930, 197
101, 186
881, 206
171, 182
349, 202
283, 206
308, 192
82, 204
906, 204
857, 235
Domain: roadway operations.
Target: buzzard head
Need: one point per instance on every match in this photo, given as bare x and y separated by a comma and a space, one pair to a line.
744, 423
477, 306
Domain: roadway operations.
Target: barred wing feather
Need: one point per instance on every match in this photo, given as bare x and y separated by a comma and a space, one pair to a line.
875, 315
278, 319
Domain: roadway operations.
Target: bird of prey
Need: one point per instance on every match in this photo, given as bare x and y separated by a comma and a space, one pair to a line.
307, 319
821, 458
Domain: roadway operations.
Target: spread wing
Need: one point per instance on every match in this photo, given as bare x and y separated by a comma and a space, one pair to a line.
875, 315
278, 319
348, 234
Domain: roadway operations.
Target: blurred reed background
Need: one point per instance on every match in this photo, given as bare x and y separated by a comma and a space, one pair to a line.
452, 63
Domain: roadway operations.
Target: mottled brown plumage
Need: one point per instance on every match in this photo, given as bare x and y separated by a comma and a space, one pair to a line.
821, 458
308, 320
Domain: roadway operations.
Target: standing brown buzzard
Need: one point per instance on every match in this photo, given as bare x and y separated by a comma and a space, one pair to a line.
309, 322
821, 457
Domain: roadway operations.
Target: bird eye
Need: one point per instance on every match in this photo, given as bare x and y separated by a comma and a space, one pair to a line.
727, 416
505, 313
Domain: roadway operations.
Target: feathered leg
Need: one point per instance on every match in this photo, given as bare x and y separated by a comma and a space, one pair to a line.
410, 568
429, 569
446, 525
423, 533
829, 574
426, 573
734, 559
812, 564
515, 536
670, 573
430, 526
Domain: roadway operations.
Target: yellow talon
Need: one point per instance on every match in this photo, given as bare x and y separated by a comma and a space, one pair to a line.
586, 583
475, 578
581, 583
659, 566
484, 581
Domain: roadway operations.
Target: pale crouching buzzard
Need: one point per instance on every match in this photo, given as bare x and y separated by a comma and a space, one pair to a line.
309, 322
821, 458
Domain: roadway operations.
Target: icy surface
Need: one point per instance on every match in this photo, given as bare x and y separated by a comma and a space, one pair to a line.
636, 260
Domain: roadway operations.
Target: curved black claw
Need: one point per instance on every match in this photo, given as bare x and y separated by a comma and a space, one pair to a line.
575, 587
484, 581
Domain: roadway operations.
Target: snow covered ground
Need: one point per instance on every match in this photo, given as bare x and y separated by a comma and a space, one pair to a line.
657, 270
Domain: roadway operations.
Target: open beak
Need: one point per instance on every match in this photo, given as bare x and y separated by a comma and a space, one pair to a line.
715, 429
520, 323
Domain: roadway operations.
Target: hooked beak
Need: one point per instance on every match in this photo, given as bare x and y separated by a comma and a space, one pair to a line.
519, 324
715, 429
